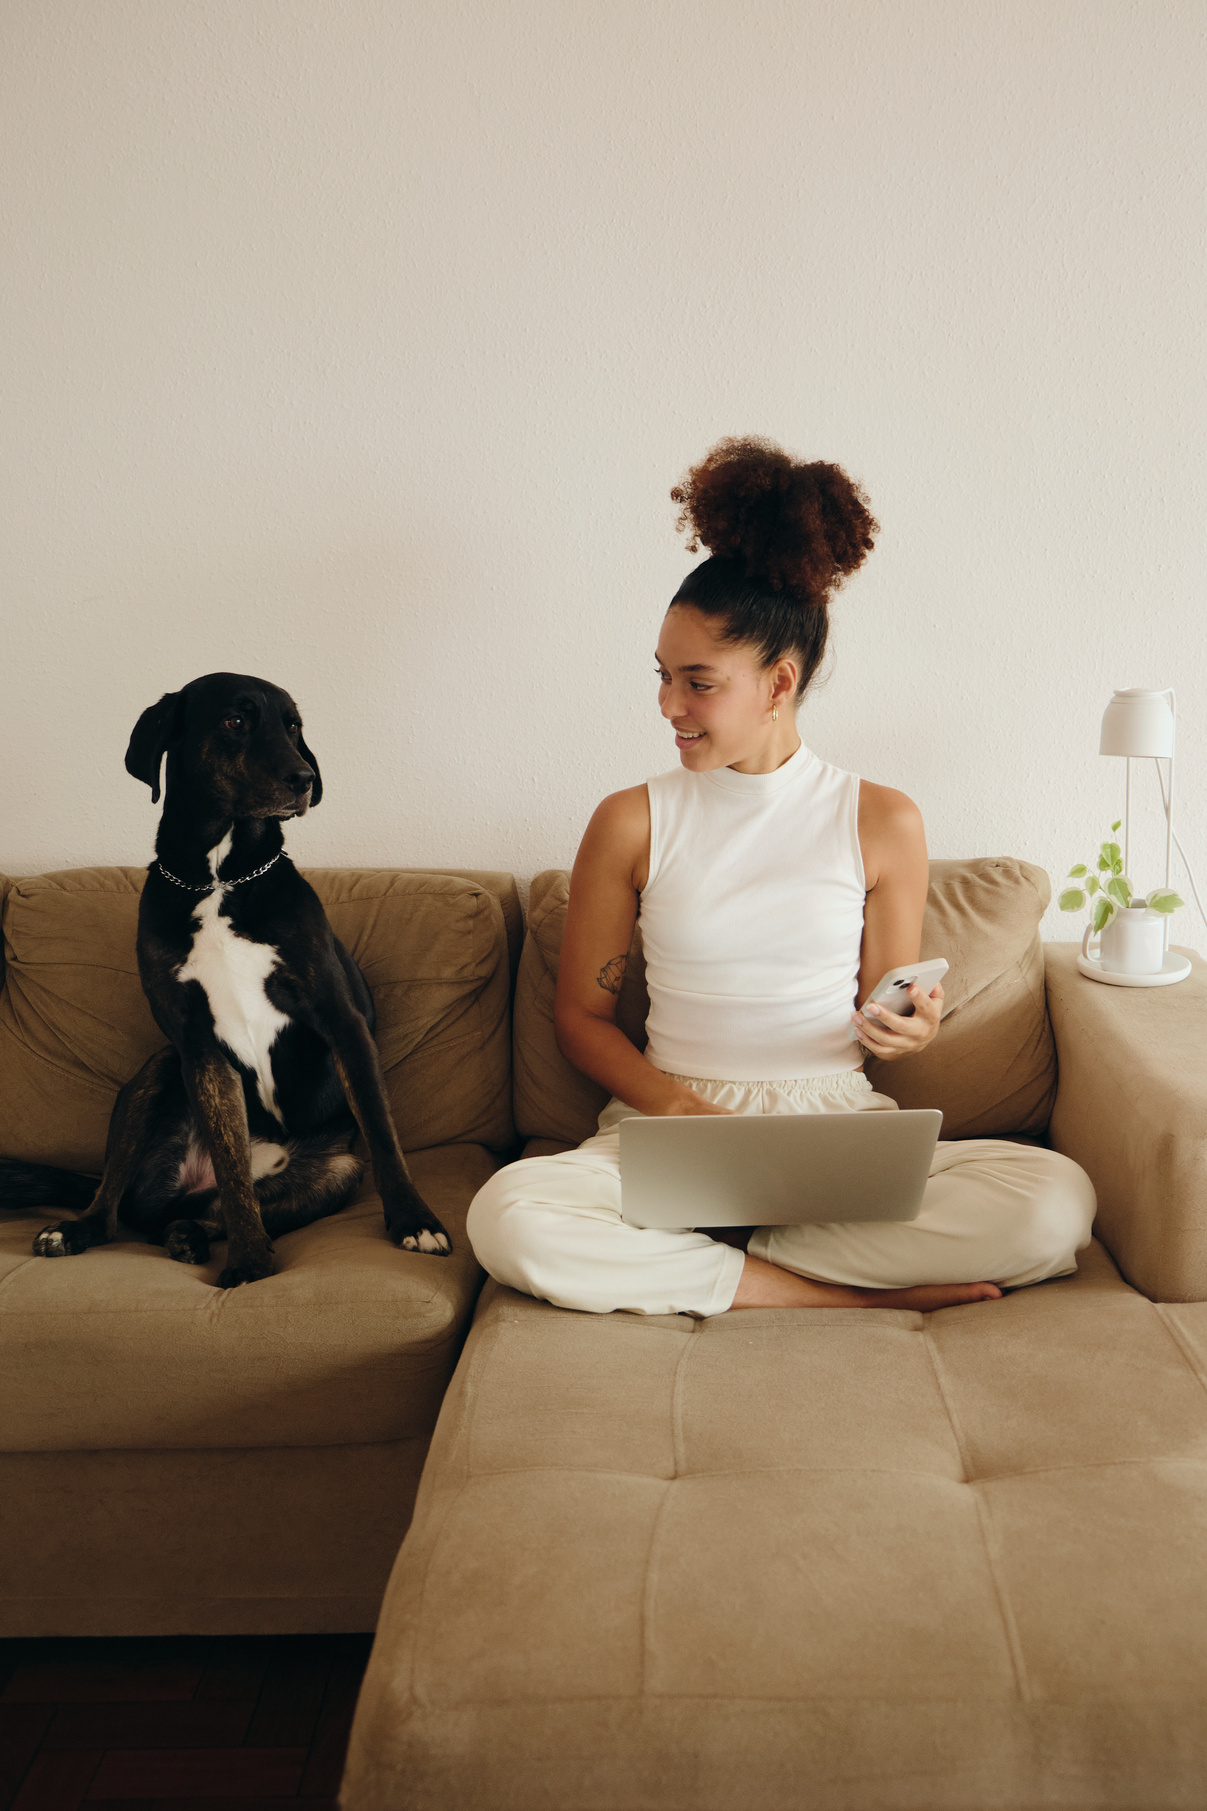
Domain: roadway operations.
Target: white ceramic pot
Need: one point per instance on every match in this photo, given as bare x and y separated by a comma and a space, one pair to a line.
1133, 943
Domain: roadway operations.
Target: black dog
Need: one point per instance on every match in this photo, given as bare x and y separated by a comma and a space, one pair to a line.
241, 1129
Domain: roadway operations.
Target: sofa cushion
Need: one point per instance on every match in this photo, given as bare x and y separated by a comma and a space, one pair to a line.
853, 1559
349, 1341
992, 1069
74, 1025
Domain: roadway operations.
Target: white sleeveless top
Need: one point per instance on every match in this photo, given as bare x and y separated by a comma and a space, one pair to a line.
752, 919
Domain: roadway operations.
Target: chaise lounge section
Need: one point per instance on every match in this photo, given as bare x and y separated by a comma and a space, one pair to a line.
855, 1560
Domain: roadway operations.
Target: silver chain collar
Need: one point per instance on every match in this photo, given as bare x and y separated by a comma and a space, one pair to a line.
226, 885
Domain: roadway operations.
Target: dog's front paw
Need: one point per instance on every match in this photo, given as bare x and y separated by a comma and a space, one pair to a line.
250, 1268
61, 1241
437, 1243
187, 1242
415, 1227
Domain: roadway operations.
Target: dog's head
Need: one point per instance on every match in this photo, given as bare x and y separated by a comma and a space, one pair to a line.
236, 738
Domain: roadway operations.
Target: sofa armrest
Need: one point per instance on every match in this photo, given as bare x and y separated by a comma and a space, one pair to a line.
1131, 1108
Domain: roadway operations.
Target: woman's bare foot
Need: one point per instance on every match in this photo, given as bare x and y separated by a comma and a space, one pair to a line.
763, 1285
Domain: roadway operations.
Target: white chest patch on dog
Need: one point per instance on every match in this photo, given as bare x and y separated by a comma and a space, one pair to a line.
233, 970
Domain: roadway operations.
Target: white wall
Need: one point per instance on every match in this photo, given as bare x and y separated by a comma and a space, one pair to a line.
357, 344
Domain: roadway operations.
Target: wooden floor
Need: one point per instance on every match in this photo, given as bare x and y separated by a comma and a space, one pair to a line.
177, 1725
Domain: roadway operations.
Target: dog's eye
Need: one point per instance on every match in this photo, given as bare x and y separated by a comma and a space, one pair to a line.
232, 723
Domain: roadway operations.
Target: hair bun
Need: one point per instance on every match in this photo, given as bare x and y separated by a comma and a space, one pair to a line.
799, 527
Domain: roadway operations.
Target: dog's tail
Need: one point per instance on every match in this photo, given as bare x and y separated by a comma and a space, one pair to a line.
28, 1186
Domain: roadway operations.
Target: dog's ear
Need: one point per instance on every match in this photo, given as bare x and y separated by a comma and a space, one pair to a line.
158, 726
316, 791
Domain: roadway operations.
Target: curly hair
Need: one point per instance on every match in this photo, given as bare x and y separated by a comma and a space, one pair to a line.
783, 535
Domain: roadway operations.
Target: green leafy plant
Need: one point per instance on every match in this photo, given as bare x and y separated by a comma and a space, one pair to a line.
1110, 889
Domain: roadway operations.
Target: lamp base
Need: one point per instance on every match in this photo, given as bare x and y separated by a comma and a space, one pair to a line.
1174, 968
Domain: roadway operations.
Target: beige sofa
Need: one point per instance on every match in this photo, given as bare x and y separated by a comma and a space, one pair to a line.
843, 1560
854, 1560
178, 1458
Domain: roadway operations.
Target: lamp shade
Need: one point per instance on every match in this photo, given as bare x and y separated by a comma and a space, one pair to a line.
1137, 722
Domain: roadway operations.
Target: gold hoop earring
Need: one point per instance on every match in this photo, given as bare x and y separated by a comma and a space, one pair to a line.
775, 713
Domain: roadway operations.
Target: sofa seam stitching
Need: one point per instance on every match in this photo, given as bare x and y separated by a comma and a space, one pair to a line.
500, 1082
738, 1471
1042, 1471
753, 1471
792, 1699
684, 1359
1186, 1352
18, 1270
651, 1561
985, 1524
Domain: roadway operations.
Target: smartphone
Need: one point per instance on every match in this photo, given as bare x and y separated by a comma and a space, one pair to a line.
892, 991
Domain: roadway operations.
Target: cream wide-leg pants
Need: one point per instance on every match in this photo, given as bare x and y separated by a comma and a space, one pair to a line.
992, 1213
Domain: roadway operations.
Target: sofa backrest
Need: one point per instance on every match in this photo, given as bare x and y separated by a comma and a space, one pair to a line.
992, 1069
437, 949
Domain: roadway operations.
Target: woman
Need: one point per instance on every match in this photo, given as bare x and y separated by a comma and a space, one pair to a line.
774, 891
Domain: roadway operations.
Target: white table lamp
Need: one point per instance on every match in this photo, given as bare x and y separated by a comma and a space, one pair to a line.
1141, 725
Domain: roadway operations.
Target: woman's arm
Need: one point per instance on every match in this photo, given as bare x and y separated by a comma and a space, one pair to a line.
610, 870
896, 874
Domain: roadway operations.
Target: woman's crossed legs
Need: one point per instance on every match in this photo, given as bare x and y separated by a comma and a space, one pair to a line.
995, 1215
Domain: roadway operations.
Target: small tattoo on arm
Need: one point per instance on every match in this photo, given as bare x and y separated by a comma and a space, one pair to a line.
611, 974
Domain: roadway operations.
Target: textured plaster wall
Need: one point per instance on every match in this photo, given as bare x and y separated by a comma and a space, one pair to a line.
358, 344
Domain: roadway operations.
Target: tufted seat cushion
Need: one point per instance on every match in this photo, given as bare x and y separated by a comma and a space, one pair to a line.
848, 1559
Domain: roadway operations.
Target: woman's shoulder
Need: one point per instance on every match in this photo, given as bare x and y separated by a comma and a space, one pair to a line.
883, 807
619, 830
890, 827
617, 839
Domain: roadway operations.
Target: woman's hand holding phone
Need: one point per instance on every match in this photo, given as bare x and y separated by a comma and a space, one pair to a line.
890, 1036
888, 1033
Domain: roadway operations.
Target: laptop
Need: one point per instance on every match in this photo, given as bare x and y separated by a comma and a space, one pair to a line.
775, 1170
